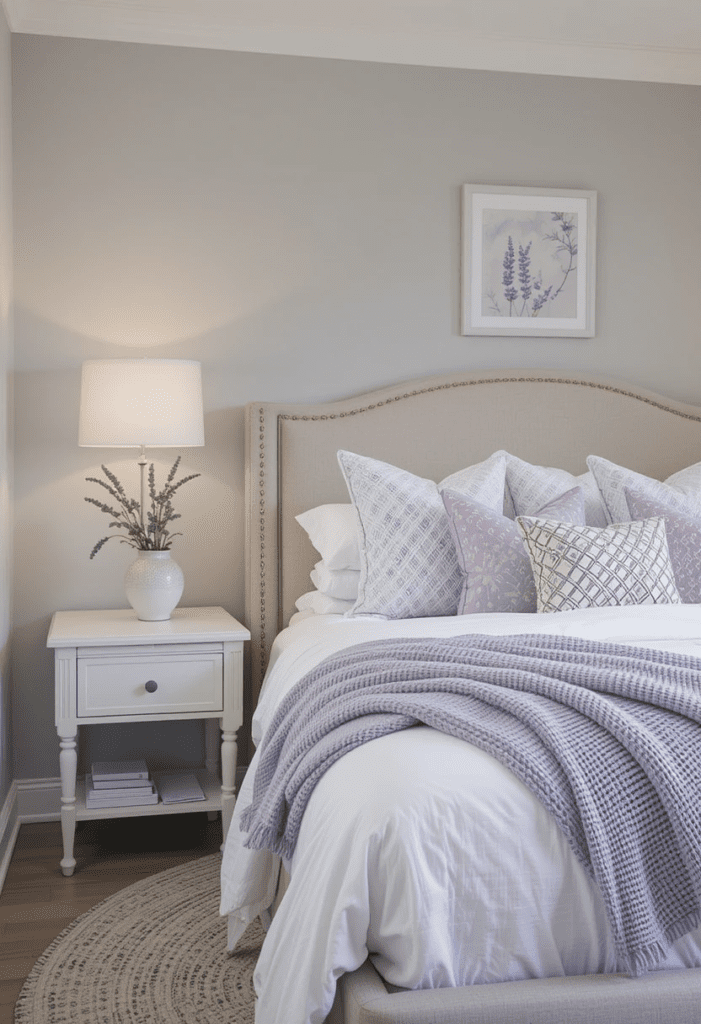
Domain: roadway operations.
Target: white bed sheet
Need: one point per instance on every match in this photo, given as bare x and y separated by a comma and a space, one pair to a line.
421, 849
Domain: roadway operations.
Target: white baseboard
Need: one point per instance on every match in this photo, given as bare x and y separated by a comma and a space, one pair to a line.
27, 800
38, 799
9, 827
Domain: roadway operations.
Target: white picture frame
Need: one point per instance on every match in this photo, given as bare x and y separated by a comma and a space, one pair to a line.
528, 261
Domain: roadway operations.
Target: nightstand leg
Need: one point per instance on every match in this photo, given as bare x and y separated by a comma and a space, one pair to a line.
68, 760
228, 779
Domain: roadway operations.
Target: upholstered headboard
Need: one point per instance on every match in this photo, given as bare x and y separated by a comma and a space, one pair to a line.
432, 427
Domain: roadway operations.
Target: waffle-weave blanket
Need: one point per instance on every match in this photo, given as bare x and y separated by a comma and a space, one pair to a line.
607, 736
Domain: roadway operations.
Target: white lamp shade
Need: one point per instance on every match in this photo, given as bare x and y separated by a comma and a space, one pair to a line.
126, 403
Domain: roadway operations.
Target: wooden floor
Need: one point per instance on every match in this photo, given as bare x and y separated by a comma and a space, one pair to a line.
37, 902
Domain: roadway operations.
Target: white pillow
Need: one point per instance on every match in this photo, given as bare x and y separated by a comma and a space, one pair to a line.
297, 617
322, 604
585, 567
682, 490
341, 583
409, 567
530, 487
333, 530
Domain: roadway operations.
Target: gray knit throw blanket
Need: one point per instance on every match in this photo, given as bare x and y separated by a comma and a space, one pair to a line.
606, 736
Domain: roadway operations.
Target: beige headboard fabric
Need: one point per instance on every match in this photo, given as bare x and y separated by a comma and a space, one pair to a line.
431, 427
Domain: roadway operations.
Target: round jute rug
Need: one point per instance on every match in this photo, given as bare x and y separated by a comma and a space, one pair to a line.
154, 953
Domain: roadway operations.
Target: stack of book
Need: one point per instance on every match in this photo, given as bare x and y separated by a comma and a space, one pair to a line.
119, 784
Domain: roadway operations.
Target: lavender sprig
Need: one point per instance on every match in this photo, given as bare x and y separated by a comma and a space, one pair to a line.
524, 275
540, 300
565, 241
149, 533
507, 279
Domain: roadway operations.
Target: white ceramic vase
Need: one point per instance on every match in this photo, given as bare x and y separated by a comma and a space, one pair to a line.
154, 585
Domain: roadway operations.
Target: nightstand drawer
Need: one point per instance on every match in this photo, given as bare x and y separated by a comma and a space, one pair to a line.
150, 685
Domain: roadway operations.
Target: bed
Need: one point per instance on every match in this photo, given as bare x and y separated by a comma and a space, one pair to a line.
431, 428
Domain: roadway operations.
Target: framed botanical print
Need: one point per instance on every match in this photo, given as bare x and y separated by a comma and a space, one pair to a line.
528, 261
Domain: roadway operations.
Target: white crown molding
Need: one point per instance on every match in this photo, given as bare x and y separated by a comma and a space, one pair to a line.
386, 37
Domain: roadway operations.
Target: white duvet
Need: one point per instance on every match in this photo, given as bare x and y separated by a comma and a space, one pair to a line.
422, 850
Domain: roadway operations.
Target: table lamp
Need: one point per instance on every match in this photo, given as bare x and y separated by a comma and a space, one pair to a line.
140, 403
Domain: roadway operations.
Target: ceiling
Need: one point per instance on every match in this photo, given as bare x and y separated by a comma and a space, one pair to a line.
639, 40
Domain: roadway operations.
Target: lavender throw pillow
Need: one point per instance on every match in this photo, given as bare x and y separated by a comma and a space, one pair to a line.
494, 564
683, 538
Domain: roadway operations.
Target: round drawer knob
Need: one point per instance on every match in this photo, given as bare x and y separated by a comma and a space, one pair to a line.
151, 686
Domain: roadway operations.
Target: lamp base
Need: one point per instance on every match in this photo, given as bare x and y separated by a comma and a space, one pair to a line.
154, 585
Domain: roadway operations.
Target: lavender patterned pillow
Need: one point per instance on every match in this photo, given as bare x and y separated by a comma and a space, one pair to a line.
495, 568
683, 537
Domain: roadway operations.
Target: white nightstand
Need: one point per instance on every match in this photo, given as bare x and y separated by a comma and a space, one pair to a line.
103, 660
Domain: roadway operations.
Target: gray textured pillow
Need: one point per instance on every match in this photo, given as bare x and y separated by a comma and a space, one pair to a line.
408, 564
683, 538
682, 490
496, 571
586, 567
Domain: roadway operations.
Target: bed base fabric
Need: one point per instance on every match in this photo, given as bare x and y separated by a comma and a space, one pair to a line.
663, 997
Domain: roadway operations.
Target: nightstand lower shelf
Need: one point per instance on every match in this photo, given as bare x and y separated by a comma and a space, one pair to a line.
210, 783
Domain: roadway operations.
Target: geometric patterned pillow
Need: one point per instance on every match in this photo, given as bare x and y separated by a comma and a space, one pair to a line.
530, 487
496, 571
682, 490
587, 567
408, 564
683, 537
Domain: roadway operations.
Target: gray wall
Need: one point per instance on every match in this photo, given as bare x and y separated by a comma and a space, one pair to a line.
5, 402
294, 224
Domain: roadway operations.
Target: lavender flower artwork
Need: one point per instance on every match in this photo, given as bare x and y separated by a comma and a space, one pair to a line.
544, 283
528, 261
